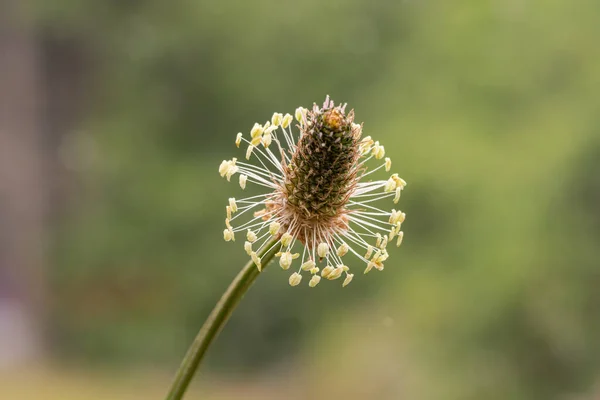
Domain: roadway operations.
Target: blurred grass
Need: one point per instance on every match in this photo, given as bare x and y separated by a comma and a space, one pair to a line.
55, 382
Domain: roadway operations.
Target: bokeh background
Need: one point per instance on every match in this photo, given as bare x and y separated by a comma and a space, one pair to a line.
114, 117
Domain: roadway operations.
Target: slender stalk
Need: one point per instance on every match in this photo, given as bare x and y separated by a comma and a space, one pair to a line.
216, 320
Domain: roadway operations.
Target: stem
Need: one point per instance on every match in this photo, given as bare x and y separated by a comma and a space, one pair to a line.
217, 319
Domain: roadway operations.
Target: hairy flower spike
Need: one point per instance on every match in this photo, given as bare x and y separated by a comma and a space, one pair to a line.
317, 197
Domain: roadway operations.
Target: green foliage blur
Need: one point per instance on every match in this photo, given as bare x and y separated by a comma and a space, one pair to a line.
491, 113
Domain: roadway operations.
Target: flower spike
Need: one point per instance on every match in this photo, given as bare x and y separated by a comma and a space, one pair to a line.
318, 193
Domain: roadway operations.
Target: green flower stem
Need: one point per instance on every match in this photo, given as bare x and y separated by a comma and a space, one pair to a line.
217, 319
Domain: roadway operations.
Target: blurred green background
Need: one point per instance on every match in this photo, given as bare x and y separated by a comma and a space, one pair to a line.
490, 111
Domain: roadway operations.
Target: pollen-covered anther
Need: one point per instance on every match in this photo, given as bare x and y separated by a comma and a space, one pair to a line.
249, 151
378, 242
308, 265
257, 130
267, 139
384, 243
228, 235
295, 279
400, 237
276, 119
228, 212
248, 247
251, 236
390, 185
286, 239
274, 228
366, 145
369, 252
399, 181
314, 281
300, 114
323, 250
238, 139
348, 279
327, 271
314, 270
378, 151
287, 120
285, 260
342, 250
256, 260
398, 193
336, 273
397, 217
232, 204
243, 180
388, 164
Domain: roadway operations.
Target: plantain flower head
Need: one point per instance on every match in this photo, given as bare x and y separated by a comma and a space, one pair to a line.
318, 200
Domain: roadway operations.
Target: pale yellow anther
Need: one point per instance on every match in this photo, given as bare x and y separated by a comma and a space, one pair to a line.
256, 141
300, 112
228, 211
399, 181
369, 252
232, 204
248, 247
277, 119
243, 180
228, 235
251, 236
227, 223
249, 151
285, 260
267, 125
315, 270
274, 228
267, 139
224, 167
231, 171
376, 256
314, 281
379, 266
392, 234
342, 250
327, 271
378, 242
336, 273
348, 279
378, 151
286, 239
295, 279
384, 242
238, 139
256, 260
287, 120
398, 193
400, 237
397, 217
345, 268
308, 266
257, 130
323, 250
366, 144
357, 128
370, 266
390, 185
388, 164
